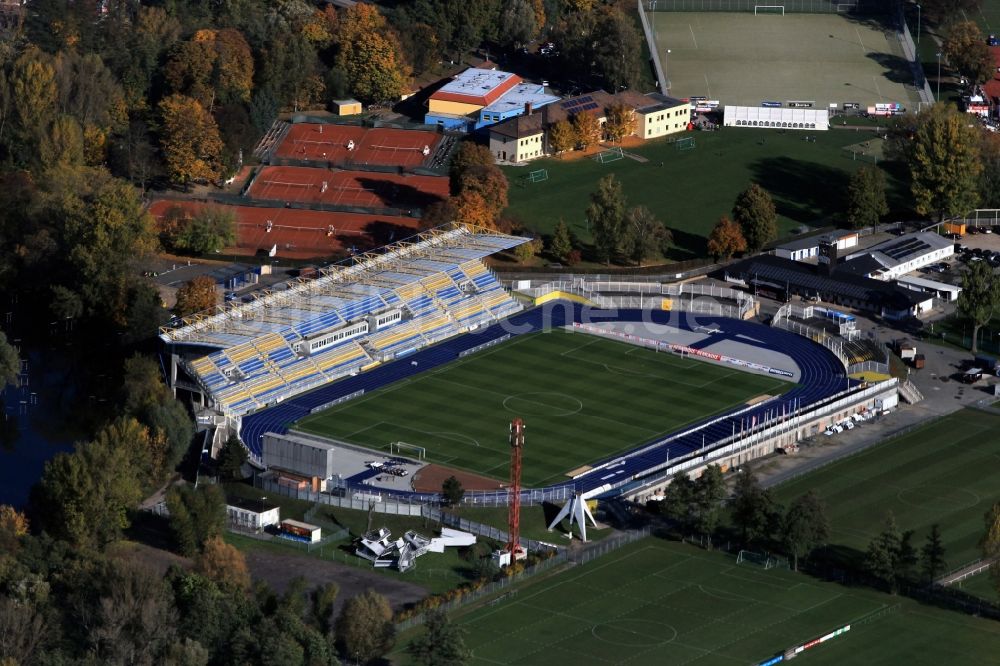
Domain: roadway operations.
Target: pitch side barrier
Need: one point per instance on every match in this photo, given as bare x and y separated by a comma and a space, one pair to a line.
777, 6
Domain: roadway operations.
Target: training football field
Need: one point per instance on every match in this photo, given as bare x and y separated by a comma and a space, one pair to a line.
945, 472
582, 398
739, 58
659, 602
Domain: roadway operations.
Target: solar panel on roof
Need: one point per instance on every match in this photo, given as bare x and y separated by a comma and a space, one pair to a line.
592, 105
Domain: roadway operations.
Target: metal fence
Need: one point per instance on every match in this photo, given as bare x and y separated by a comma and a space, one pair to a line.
910, 53
836, 346
561, 558
789, 6
661, 77
488, 531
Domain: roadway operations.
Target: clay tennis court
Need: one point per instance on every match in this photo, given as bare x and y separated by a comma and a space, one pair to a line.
381, 146
347, 188
301, 234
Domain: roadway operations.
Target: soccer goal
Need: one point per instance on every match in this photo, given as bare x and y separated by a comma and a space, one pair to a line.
768, 9
538, 176
398, 449
686, 143
610, 155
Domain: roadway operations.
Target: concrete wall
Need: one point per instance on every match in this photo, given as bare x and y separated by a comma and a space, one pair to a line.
302, 457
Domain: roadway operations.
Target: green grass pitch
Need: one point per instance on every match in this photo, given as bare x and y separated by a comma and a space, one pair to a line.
742, 59
659, 602
689, 191
581, 397
946, 472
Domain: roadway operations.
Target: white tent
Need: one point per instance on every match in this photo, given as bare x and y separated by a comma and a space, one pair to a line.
778, 118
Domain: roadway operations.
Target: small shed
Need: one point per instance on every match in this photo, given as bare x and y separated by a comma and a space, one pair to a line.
346, 107
252, 514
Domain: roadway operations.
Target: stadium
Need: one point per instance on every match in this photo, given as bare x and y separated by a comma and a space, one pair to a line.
419, 354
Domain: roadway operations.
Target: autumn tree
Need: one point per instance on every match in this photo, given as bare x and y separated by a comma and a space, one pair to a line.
645, 237
369, 53
754, 211
726, 239
944, 12
33, 93
586, 129
525, 252
472, 208
979, 299
196, 295
966, 50
944, 162
562, 136
10, 362
468, 155
606, 217
211, 229
488, 181
190, 140
866, 200
364, 626
223, 563
214, 65
62, 145
13, 526
621, 122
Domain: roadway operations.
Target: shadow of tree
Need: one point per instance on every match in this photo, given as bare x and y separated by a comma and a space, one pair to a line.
398, 195
806, 192
897, 69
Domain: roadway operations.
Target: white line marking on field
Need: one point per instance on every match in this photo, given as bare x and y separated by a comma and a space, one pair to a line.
860, 41
877, 89
708, 88
692, 36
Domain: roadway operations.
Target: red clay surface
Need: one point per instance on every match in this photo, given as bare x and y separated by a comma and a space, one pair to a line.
302, 234
347, 188
428, 479
384, 146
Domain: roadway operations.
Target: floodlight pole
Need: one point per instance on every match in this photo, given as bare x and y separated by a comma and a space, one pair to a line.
918, 24
666, 68
938, 54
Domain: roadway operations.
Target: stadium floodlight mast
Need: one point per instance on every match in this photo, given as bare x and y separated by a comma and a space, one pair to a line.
666, 69
938, 54
918, 24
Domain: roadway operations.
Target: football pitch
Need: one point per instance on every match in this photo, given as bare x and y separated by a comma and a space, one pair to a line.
739, 58
663, 602
582, 398
945, 472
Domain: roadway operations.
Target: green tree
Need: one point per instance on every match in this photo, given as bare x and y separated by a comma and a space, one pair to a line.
147, 398
709, 491
645, 237
232, 457
890, 555
618, 53
518, 23
10, 362
979, 298
755, 213
805, 526
990, 543
943, 12
364, 626
62, 145
212, 229
196, 515
606, 217
678, 502
932, 555
562, 242
323, 599
866, 201
33, 96
966, 50
944, 162
726, 239
452, 491
754, 511
441, 644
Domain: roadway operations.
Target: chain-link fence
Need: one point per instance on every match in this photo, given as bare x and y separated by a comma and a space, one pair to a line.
786, 6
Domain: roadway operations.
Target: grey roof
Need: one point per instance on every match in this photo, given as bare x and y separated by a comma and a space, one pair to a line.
863, 265
905, 248
804, 242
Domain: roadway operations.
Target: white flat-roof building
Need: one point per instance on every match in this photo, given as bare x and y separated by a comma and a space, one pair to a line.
942, 290
898, 256
800, 249
252, 515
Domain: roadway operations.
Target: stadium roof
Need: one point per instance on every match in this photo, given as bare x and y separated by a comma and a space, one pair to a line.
340, 286
477, 86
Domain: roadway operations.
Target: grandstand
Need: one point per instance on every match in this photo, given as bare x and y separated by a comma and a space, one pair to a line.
348, 320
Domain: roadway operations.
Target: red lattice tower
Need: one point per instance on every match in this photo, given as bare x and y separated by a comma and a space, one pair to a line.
514, 503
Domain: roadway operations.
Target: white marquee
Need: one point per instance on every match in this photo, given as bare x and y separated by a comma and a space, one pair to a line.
759, 116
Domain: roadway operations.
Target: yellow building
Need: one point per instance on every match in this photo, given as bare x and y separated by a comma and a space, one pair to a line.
346, 107
664, 116
519, 139
468, 93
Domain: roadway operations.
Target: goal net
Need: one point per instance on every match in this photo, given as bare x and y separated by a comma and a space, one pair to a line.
769, 9
412, 450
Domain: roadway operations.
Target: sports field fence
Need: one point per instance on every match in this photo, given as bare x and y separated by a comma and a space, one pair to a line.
503, 586
772, 6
